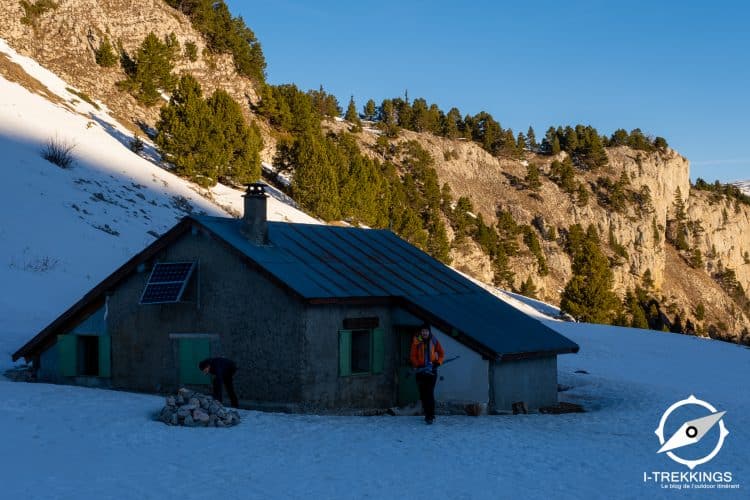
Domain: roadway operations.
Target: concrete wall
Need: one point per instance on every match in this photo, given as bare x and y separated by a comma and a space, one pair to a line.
322, 386
251, 320
464, 380
533, 381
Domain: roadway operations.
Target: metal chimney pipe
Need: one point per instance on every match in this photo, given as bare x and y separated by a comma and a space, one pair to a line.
254, 220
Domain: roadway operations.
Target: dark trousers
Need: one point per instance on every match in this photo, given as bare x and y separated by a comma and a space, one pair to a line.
229, 385
426, 384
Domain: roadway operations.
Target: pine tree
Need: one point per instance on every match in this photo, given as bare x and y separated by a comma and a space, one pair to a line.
208, 139
352, 116
531, 140
152, 71
237, 146
528, 288
532, 177
588, 296
315, 184
638, 315
582, 195
370, 110
503, 275
521, 142
105, 55
183, 129
452, 124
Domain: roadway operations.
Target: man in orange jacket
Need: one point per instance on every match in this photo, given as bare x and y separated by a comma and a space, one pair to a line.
425, 356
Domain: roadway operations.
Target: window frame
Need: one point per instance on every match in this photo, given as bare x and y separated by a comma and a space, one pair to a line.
376, 352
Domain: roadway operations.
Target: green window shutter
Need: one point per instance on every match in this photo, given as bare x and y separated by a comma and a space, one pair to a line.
67, 346
105, 349
192, 352
378, 350
345, 353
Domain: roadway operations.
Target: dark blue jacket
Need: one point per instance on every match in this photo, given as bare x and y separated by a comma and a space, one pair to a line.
222, 369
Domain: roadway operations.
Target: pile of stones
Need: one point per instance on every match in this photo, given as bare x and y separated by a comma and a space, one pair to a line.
193, 409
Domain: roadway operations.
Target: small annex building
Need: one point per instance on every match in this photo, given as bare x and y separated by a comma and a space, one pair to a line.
317, 317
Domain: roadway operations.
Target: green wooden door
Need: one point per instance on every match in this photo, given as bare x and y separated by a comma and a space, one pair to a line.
407, 385
191, 352
105, 350
67, 358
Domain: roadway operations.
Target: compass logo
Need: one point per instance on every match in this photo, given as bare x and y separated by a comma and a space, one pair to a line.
691, 432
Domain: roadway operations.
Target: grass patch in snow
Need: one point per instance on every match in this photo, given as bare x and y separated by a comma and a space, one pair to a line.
83, 95
59, 152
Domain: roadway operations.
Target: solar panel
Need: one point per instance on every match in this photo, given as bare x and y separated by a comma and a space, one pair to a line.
170, 272
167, 282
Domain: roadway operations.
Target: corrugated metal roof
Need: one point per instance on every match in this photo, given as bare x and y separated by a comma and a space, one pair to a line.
328, 262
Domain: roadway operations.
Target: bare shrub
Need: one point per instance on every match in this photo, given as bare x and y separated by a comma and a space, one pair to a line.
59, 152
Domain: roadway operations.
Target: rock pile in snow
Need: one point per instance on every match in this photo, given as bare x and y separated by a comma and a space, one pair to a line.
193, 409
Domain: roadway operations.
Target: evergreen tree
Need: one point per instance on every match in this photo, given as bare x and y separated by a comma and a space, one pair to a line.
152, 71
562, 173
582, 195
352, 116
555, 146
588, 295
521, 142
676, 324
237, 146
370, 110
700, 311
388, 117
105, 55
531, 140
503, 275
532, 177
208, 140
638, 315
225, 34
452, 124
183, 129
528, 288
325, 105
315, 184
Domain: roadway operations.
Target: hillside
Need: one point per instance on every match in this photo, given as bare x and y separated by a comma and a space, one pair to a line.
719, 226
72, 227
63, 229
637, 235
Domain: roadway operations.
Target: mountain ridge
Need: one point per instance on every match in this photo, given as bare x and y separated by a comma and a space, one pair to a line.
717, 227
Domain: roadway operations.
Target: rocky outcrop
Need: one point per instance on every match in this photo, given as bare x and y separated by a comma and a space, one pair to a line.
64, 39
639, 227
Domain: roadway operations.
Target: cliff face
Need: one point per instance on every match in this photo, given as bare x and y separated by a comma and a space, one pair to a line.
64, 39
640, 226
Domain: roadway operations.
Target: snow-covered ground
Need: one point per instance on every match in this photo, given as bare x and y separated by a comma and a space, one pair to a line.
62, 231
744, 186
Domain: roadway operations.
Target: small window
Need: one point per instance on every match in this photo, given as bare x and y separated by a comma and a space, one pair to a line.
361, 352
84, 355
88, 355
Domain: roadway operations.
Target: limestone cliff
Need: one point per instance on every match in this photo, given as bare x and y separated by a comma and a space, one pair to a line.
640, 227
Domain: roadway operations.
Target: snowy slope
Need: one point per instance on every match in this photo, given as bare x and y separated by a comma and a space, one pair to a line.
57, 240
62, 231
744, 186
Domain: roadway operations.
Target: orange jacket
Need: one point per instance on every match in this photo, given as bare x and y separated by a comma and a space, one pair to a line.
416, 356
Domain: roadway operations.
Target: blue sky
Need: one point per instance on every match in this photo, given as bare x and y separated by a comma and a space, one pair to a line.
680, 70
